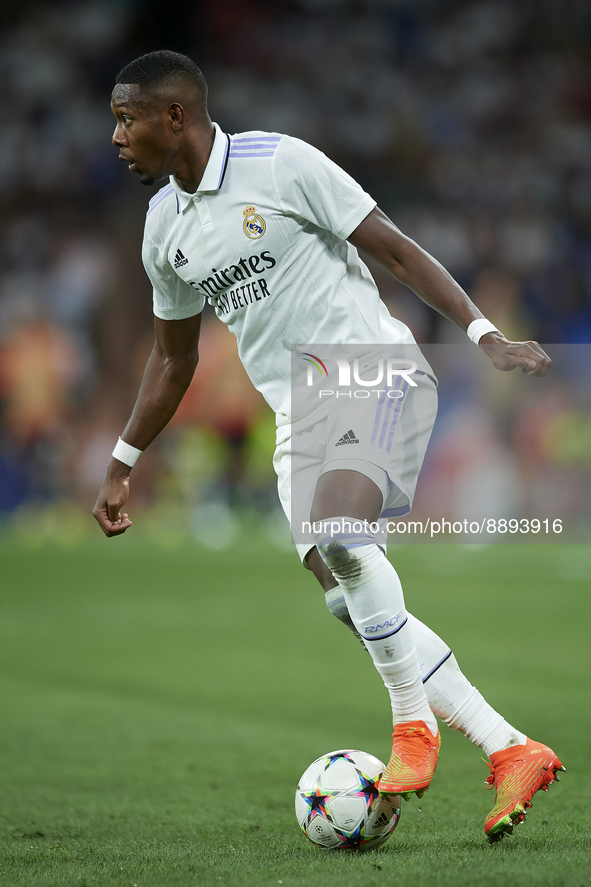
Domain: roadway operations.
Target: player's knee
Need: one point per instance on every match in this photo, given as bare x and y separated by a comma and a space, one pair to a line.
342, 562
342, 543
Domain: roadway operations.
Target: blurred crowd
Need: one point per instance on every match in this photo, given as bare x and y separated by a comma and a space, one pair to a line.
468, 120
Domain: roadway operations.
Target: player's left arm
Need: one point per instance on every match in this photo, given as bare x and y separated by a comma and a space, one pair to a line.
378, 236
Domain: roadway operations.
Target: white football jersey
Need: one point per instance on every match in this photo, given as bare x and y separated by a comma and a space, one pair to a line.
263, 240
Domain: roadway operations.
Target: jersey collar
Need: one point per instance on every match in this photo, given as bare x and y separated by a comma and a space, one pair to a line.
214, 171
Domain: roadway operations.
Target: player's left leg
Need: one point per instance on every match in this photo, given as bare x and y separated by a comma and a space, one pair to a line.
450, 695
346, 504
519, 766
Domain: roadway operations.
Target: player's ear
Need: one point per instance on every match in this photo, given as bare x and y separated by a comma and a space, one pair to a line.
176, 114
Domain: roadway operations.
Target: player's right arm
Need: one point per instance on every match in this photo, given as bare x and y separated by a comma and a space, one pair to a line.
167, 376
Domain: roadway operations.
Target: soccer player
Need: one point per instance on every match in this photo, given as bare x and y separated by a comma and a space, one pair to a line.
266, 229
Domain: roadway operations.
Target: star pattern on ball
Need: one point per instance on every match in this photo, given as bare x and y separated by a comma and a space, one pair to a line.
317, 800
339, 756
367, 789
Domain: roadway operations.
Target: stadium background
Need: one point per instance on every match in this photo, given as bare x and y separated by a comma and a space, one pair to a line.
159, 701
470, 123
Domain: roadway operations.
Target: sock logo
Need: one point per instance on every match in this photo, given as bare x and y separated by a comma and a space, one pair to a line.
390, 623
347, 438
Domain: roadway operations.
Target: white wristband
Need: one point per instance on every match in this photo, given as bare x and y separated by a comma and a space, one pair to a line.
479, 328
126, 453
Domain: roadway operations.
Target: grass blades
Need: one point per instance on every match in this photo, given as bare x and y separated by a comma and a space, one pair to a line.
158, 708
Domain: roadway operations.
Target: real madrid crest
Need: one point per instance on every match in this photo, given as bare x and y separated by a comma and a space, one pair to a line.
254, 225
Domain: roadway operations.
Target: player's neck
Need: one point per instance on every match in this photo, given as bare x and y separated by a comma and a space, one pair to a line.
194, 157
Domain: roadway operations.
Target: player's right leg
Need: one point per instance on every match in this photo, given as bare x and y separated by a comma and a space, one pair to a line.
346, 503
519, 766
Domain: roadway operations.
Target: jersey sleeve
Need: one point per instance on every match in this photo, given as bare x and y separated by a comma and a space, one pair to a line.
311, 186
174, 299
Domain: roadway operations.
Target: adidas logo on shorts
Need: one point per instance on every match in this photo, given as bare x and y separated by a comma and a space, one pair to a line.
348, 438
179, 259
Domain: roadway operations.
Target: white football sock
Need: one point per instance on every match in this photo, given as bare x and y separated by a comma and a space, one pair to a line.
461, 706
449, 693
375, 602
336, 603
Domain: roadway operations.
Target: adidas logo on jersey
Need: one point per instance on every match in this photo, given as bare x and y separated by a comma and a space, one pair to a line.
179, 259
348, 438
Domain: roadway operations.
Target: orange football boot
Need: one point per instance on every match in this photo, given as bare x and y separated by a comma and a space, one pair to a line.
517, 773
415, 751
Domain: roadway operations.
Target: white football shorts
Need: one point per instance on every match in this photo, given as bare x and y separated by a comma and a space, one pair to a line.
383, 436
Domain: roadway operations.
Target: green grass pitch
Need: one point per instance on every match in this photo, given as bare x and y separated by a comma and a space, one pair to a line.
158, 707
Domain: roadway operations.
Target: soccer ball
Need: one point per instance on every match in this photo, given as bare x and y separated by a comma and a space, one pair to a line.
338, 806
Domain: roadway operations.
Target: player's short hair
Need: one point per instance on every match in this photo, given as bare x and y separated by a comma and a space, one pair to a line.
164, 68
